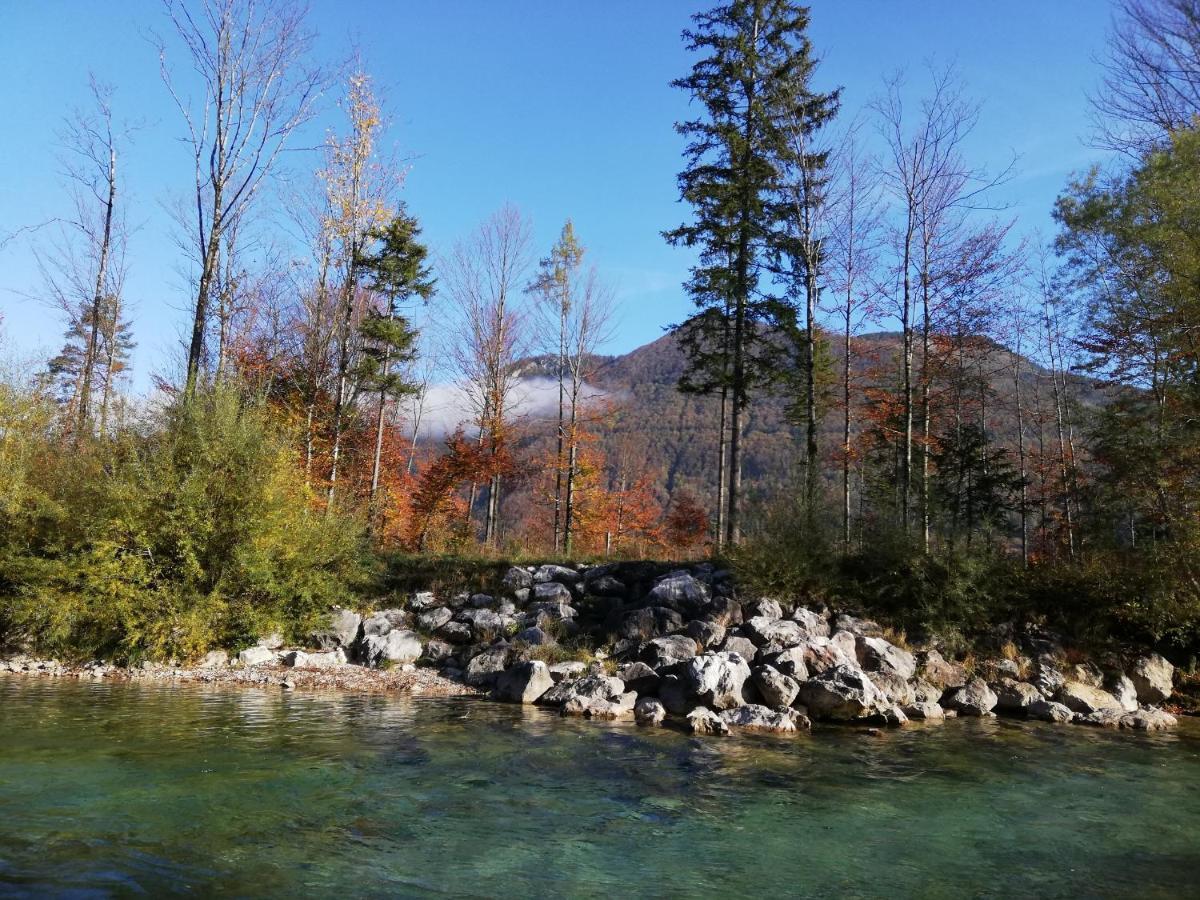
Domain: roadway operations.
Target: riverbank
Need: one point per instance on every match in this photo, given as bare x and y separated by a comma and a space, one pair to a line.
655, 645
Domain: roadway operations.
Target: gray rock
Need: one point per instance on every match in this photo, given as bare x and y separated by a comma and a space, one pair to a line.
790, 662
1086, 673
272, 641
974, 698
484, 622
857, 627
257, 656
639, 677
1148, 718
706, 634
753, 717
780, 633
1047, 678
534, 636
482, 601
679, 591
1015, 697
422, 600
484, 668
552, 593
516, 579
547, 573
877, 655
342, 631
1105, 717
935, 669
399, 647
591, 687
824, 654
811, 622
930, 712
924, 692
716, 679
376, 625
524, 683
724, 611
620, 707
666, 651
742, 646
433, 619
438, 651
764, 607
842, 693
705, 721
775, 688
649, 622
649, 711
1049, 711
1086, 699
1153, 678
456, 632
606, 586
1122, 689
897, 691
214, 659
570, 669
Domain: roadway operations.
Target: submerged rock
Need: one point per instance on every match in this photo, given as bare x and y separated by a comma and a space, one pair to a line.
1148, 719
592, 687
931, 712
705, 721
753, 717
620, 707
649, 711
1049, 711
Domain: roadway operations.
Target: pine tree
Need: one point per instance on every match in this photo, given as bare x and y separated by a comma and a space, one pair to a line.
752, 82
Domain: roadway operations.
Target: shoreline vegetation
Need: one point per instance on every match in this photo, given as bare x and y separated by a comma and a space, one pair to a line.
646, 643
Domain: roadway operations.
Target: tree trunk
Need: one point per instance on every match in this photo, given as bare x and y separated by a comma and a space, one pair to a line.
90, 354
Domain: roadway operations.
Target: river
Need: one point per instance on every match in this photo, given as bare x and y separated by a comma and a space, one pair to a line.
113, 789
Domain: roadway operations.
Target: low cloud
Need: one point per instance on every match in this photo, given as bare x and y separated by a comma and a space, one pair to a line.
447, 405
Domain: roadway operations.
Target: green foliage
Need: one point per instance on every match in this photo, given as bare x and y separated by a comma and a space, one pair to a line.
196, 532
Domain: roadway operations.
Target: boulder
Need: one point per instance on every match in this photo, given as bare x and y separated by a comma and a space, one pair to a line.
620, 707
753, 717
551, 593
484, 668
1122, 689
666, 651
764, 607
924, 692
1152, 677
842, 693
213, 659
570, 669
393, 647
891, 716
897, 691
534, 636
376, 625
272, 641
742, 646
1148, 718
649, 711
341, 631
1015, 697
790, 662
705, 721
456, 632
1047, 678
935, 669
483, 622
257, 656
422, 600
706, 634
433, 619
547, 573
1049, 711
437, 651
724, 611
524, 683
974, 698
775, 688
857, 627
877, 655
639, 677
822, 654
1086, 673
777, 633
1086, 699
590, 687
930, 712
649, 622
679, 591
811, 622
1105, 717
517, 578
605, 586
716, 679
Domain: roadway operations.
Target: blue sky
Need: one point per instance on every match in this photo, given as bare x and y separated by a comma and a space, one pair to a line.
563, 108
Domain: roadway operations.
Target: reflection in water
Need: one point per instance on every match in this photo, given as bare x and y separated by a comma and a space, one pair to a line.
123, 788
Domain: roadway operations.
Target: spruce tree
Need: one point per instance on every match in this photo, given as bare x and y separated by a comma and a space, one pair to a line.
752, 81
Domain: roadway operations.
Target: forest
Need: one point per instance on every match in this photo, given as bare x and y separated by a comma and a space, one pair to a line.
895, 397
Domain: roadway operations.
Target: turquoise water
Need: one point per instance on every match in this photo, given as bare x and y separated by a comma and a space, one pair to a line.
123, 789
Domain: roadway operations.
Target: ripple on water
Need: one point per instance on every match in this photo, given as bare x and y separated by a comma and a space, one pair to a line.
123, 788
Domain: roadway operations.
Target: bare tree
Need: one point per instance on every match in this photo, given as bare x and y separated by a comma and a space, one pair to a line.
254, 87
1151, 82
484, 277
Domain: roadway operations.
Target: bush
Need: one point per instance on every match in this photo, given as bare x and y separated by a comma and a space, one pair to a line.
196, 532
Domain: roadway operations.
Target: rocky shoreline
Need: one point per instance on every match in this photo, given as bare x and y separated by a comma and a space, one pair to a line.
639, 642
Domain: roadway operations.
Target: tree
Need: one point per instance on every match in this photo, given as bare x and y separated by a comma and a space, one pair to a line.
484, 275
399, 272
255, 88
1151, 83
756, 68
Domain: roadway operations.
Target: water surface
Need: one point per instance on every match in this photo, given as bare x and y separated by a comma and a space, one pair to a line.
122, 789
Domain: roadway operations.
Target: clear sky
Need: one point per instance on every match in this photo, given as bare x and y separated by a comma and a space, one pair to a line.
562, 107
